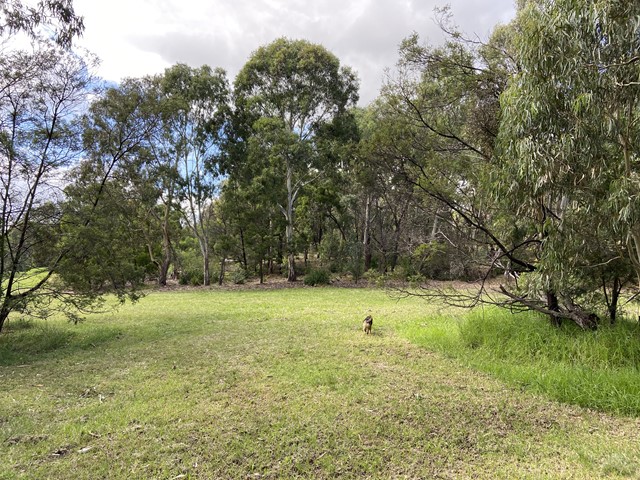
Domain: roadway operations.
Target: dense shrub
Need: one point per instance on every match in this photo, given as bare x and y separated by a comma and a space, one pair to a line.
332, 252
374, 276
239, 276
189, 264
318, 276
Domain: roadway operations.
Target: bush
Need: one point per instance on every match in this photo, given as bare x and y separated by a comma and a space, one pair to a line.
355, 264
374, 276
189, 264
432, 260
191, 277
239, 276
317, 277
416, 280
332, 252
398, 273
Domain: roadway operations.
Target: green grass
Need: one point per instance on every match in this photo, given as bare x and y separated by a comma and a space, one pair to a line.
595, 369
279, 384
27, 279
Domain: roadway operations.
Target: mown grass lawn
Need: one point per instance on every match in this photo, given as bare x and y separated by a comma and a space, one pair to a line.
278, 384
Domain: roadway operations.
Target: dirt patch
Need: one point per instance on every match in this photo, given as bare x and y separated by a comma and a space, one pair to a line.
277, 282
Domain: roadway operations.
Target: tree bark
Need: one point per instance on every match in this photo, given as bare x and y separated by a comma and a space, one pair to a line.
615, 294
366, 240
221, 275
552, 309
205, 274
4, 314
395, 247
612, 303
291, 197
434, 228
553, 305
166, 246
291, 274
244, 250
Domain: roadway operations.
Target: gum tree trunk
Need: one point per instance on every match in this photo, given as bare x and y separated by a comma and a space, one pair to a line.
288, 214
4, 314
552, 304
366, 240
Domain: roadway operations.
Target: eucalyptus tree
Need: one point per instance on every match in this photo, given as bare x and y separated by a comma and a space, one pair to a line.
365, 177
105, 239
39, 138
252, 224
527, 142
169, 128
441, 126
287, 96
194, 104
54, 19
445, 132
571, 123
435, 128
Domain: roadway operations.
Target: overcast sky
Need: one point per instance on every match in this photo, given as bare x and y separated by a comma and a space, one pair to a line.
139, 37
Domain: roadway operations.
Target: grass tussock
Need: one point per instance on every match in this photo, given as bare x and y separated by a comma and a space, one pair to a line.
28, 338
524, 337
596, 369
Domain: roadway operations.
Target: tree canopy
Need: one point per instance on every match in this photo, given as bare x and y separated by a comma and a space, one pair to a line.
288, 95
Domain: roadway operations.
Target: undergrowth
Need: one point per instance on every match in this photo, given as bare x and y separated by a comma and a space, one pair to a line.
597, 369
318, 276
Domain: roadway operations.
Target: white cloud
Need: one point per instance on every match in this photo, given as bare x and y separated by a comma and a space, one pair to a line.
135, 38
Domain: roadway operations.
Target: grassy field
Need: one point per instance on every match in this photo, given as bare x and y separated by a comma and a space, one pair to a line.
279, 384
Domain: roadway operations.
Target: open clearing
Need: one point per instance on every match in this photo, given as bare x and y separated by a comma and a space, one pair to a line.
278, 384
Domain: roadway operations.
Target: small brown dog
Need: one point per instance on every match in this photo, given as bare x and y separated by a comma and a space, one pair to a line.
366, 325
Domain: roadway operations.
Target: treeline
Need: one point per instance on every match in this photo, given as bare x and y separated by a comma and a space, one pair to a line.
517, 156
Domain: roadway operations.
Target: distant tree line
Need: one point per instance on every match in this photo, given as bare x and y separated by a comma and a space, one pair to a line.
515, 157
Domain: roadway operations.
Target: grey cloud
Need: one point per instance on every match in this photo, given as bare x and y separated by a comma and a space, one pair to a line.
364, 34
192, 49
480, 17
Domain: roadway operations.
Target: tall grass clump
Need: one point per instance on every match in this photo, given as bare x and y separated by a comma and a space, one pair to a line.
598, 369
23, 339
529, 336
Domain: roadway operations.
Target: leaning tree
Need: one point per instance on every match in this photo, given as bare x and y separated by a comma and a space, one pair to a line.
570, 152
